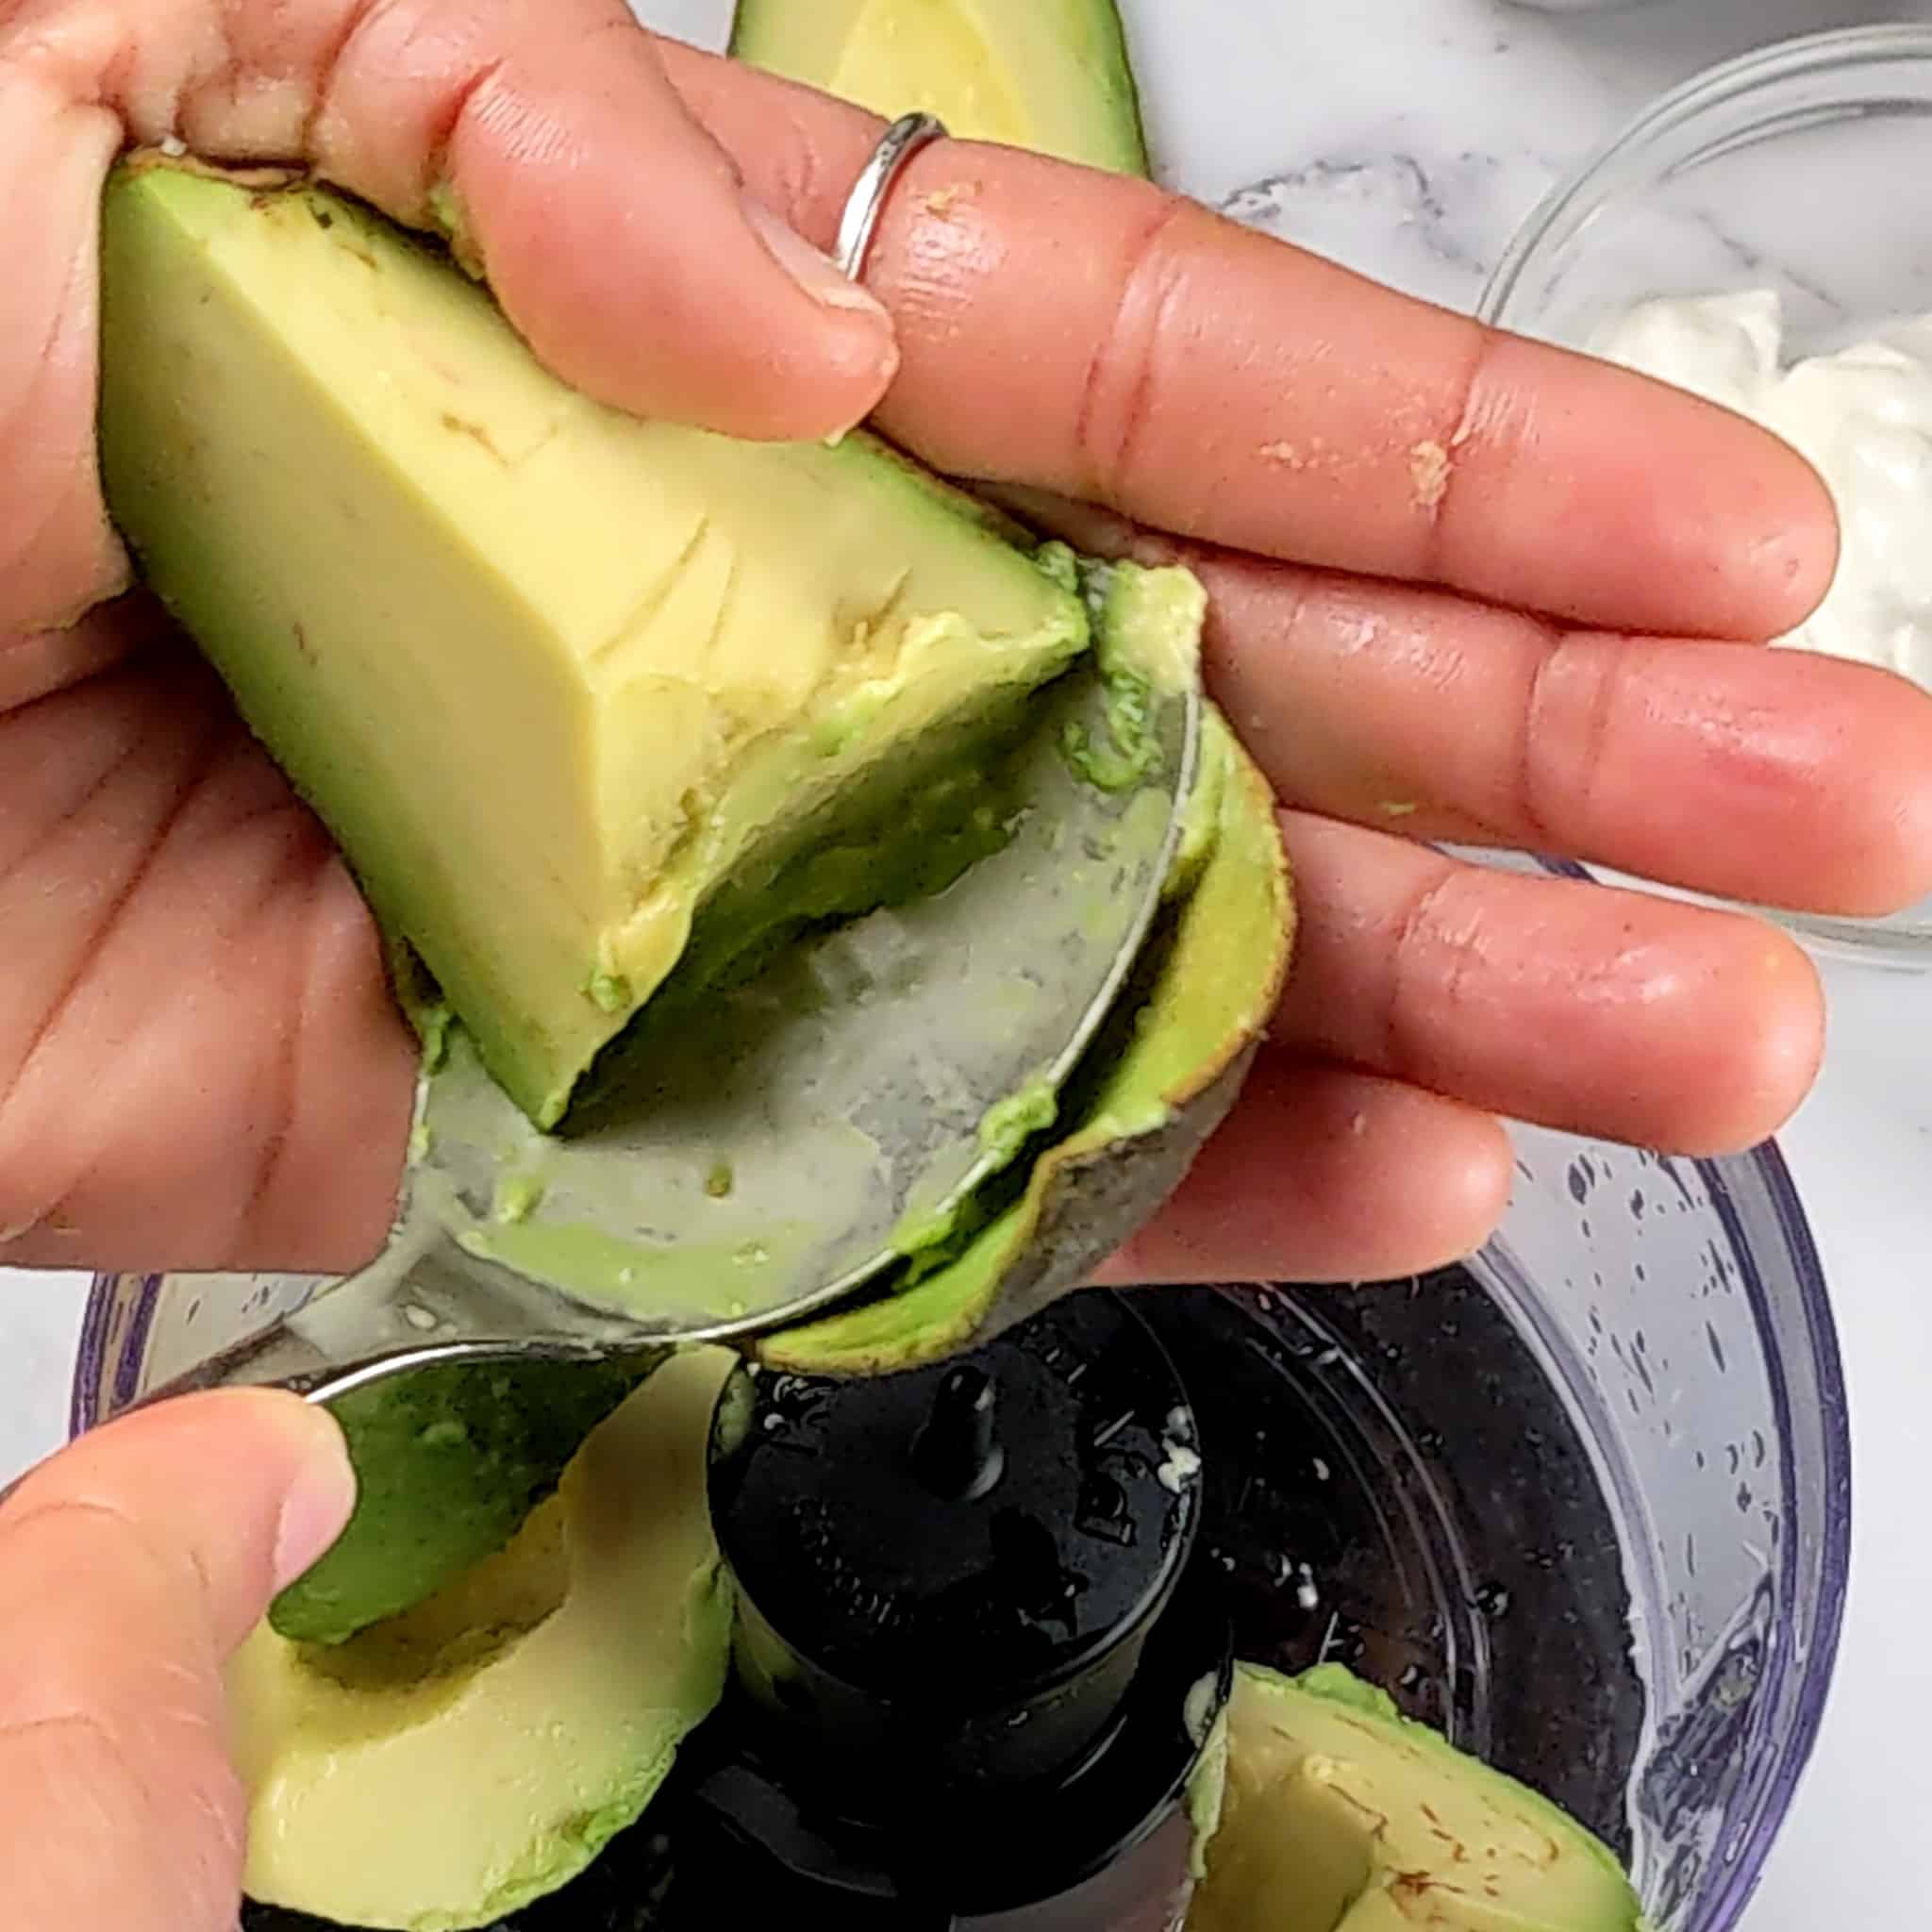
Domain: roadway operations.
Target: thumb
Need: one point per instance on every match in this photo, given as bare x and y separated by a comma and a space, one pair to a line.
131, 1565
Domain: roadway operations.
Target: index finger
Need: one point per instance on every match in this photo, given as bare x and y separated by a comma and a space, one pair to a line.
1089, 334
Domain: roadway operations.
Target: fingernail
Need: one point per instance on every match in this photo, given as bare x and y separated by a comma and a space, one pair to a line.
319, 1502
817, 274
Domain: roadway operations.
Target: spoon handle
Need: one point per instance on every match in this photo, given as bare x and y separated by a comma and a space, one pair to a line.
422, 1302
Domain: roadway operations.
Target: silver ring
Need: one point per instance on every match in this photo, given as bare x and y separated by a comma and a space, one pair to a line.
867, 202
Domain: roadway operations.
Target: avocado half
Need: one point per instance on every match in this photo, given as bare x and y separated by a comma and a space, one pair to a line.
1161, 1078
1048, 75
1335, 1813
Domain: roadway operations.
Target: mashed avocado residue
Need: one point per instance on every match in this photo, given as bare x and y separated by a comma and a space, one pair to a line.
1132, 751
1011, 1122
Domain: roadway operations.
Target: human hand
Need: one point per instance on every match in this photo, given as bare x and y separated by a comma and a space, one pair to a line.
206, 1070
131, 1565
198, 1055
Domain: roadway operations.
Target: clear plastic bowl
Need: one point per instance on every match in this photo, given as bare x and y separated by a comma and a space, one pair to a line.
1805, 168
1587, 1506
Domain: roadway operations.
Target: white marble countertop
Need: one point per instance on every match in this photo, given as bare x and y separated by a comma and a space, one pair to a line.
1409, 138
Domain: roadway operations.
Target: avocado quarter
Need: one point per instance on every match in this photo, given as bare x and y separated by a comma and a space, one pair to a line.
550, 673
1051, 75
1338, 1814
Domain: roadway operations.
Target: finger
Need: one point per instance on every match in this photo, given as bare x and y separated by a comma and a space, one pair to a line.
1085, 333
178, 925
1781, 777
1546, 1000
35, 662
58, 553
615, 232
131, 1565
1323, 1173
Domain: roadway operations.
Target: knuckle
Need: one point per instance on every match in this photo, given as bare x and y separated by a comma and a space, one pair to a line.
1437, 463
1546, 776
1437, 945
1565, 736
1118, 392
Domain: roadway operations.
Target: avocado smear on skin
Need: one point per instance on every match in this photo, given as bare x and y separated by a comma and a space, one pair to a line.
1132, 749
1010, 1125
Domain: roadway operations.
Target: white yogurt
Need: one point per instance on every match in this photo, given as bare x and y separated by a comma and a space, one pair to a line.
1862, 417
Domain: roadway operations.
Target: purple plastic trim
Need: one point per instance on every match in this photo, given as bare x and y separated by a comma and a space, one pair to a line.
134, 1349
1819, 1662
105, 1299
1735, 1890
90, 1357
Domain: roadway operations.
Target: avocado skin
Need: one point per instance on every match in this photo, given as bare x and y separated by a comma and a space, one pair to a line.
449, 1463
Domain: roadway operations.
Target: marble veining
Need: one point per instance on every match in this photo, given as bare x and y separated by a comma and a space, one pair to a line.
1430, 224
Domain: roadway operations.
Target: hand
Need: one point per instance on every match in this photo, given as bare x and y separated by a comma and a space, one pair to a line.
131, 1566
199, 1066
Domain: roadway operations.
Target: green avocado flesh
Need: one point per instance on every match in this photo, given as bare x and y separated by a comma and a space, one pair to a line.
415, 556
1048, 75
449, 1462
450, 1765
1340, 1815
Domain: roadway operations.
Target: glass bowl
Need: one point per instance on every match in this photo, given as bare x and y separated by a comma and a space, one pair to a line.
1805, 168
1584, 1503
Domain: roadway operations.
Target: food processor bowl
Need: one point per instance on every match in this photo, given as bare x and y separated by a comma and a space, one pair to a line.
1584, 1503
1800, 168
